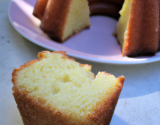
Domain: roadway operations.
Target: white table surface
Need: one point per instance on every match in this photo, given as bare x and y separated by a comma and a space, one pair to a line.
139, 102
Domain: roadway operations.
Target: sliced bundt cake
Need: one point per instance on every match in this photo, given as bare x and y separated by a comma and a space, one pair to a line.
137, 30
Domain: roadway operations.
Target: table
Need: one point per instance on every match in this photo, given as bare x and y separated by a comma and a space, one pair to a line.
139, 102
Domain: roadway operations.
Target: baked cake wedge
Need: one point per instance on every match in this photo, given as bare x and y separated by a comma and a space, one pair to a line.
138, 27
57, 90
64, 18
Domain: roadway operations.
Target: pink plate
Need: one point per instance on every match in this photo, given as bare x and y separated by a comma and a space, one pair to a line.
95, 44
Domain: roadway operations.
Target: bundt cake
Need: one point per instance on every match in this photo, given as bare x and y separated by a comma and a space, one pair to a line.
137, 31
57, 90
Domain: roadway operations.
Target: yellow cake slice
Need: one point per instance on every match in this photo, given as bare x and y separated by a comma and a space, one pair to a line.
63, 18
57, 90
138, 27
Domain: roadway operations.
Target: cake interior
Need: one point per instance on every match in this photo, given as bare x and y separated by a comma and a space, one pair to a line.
65, 85
78, 17
121, 29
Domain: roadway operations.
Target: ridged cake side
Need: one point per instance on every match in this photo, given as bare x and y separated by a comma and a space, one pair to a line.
64, 18
39, 8
141, 34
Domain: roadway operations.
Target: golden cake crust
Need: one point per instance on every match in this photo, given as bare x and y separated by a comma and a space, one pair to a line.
143, 29
34, 112
53, 23
40, 8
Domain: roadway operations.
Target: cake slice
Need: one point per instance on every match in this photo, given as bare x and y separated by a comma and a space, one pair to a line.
138, 27
57, 90
63, 18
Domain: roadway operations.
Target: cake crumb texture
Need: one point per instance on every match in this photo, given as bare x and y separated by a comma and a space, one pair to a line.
56, 89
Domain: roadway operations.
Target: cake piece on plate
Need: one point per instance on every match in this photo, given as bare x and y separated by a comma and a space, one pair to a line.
64, 18
138, 27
